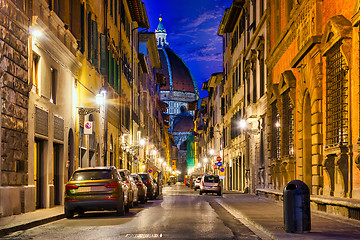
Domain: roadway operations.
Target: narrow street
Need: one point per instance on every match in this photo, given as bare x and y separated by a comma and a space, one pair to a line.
181, 213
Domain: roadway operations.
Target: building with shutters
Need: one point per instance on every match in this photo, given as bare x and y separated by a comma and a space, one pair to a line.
59, 58
244, 30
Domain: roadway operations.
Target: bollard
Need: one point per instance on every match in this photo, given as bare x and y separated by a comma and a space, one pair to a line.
297, 207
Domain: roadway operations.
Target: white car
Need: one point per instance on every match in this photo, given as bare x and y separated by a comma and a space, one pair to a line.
210, 184
197, 183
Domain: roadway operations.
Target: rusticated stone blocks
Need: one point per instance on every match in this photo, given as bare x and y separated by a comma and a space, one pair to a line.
14, 92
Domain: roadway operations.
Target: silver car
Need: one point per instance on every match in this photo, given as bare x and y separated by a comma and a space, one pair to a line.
210, 184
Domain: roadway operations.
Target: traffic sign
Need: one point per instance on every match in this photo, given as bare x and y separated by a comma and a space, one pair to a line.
218, 159
215, 166
219, 164
221, 171
150, 170
88, 127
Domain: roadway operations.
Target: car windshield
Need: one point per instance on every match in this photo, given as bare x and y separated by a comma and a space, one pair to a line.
143, 177
211, 179
91, 175
123, 177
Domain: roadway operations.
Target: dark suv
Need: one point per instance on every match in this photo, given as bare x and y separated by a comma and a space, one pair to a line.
94, 189
148, 180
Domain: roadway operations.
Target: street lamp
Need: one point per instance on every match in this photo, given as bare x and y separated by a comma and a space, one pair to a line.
212, 152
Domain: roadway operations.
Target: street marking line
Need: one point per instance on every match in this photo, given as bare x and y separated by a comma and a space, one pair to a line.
144, 235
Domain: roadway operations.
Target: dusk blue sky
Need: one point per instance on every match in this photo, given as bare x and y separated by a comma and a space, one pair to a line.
192, 27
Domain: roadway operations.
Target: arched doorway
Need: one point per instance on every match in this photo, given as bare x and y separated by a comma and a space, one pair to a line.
307, 144
70, 161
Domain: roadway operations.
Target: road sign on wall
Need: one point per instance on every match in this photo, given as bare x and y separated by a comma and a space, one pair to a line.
218, 159
88, 127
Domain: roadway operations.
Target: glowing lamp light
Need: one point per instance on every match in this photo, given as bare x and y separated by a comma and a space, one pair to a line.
206, 160
36, 33
100, 99
243, 124
212, 151
277, 124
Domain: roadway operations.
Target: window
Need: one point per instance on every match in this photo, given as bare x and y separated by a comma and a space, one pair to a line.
287, 125
254, 14
35, 73
262, 7
275, 132
336, 97
288, 8
89, 36
53, 85
277, 20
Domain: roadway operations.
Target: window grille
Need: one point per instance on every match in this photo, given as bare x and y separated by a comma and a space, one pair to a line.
287, 125
275, 132
336, 97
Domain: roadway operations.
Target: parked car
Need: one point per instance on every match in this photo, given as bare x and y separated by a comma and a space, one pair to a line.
94, 189
210, 184
151, 186
188, 182
132, 194
142, 189
197, 183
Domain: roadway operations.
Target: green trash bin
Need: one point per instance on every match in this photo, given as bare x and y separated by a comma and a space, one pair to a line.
297, 207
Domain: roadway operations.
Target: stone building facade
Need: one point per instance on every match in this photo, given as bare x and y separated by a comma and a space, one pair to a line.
313, 92
14, 23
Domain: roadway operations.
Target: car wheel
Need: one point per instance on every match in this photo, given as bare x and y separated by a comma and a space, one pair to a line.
201, 192
121, 210
195, 189
69, 214
143, 200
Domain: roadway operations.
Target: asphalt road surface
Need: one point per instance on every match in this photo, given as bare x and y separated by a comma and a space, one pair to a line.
181, 213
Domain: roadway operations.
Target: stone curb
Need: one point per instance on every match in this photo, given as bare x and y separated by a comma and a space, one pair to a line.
253, 226
31, 224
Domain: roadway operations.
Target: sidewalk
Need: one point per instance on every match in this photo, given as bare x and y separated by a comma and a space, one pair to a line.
265, 218
29, 220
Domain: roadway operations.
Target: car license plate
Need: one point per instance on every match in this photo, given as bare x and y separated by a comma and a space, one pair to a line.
84, 189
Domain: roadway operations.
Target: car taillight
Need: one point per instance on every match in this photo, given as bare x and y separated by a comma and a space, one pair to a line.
139, 184
111, 198
148, 182
69, 187
127, 182
72, 200
202, 183
112, 185
219, 184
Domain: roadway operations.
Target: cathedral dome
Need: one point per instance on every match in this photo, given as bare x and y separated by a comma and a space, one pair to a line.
177, 75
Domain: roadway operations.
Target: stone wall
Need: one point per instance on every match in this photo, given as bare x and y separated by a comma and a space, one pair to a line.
14, 92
